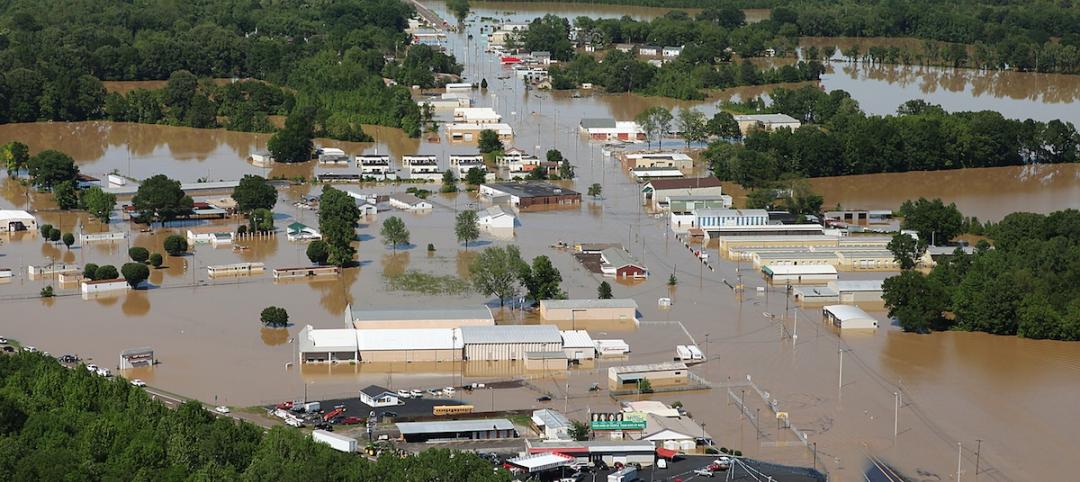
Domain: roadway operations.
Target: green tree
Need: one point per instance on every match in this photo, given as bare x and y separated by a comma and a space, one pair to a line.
579, 430
394, 232
474, 176
542, 280
760, 199
603, 291
693, 125
495, 272
645, 386
467, 227
176, 245
656, 121
161, 198
449, 182
801, 199
489, 141
261, 220
98, 203
139, 254
254, 193
723, 125
293, 143
106, 271
135, 273
338, 216
916, 301
54, 235
90, 271
47, 292
672, 280
566, 171
274, 316
156, 260
460, 9
906, 250
540, 173
45, 230
318, 252
49, 168
69, 239
15, 156
933, 220
595, 190
66, 195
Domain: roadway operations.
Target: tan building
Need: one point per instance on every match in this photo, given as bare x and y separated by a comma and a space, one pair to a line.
374, 346
765, 122
363, 319
546, 360
658, 374
509, 342
588, 310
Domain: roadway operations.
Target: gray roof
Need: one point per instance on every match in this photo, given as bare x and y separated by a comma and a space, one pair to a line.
511, 334
767, 118
619, 257
405, 314
859, 285
815, 292
454, 426
551, 418
375, 390
137, 351
597, 123
733, 213
531, 189
654, 367
588, 303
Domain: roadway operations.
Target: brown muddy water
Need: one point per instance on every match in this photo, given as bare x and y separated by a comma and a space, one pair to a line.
957, 387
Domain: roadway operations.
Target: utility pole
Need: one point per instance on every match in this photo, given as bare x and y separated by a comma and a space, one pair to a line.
840, 384
896, 414
978, 454
959, 458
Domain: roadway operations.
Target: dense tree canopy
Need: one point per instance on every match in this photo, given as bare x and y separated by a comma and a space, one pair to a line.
254, 193
49, 167
64, 424
1028, 285
161, 198
338, 215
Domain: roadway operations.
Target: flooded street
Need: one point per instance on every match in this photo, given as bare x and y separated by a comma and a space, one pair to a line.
957, 387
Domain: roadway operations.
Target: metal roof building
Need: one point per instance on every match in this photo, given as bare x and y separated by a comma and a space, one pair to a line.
419, 317
494, 428
847, 317
509, 342
588, 309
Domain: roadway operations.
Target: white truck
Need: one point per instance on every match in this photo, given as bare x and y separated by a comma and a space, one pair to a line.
335, 441
625, 474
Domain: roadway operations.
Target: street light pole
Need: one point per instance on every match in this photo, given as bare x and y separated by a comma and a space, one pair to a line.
978, 454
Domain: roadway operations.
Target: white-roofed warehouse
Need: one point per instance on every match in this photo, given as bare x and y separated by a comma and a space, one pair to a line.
847, 317
509, 342
457, 429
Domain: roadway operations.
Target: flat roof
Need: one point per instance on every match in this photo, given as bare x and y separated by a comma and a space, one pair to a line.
859, 285
551, 418
137, 351
684, 183
588, 303
736, 213
407, 198
531, 189
768, 118
619, 257
595, 446
408, 339
414, 314
331, 339
651, 367
797, 269
597, 123
15, 214
577, 339
511, 334
541, 462
797, 255
454, 426
847, 312
815, 292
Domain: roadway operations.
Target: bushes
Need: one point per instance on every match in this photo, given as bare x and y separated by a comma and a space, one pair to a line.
139, 254
156, 260
106, 271
135, 273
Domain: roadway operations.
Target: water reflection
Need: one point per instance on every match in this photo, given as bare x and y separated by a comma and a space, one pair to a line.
273, 336
136, 303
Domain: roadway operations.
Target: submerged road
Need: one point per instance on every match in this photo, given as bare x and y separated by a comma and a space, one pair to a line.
429, 16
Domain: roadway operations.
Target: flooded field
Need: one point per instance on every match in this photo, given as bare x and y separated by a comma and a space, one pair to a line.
957, 387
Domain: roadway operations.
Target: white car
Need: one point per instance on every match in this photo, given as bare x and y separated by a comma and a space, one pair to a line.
417, 394
104, 372
404, 394
29, 349
138, 382
703, 472
3, 340
448, 391
92, 368
222, 409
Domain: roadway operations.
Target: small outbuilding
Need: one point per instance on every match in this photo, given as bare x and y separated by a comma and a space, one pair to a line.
781, 274
12, 220
578, 345
619, 263
375, 396
663, 374
847, 317
497, 218
552, 424
484, 429
136, 358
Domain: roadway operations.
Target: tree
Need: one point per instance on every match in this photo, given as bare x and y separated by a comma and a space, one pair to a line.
672, 280
801, 200
161, 198
449, 183
542, 280
467, 227
47, 292
566, 171
135, 273
338, 216
176, 245
483, 84
274, 316
760, 199
65, 195
293, 143
540, 173
69, 239
916, 301
45, 230
261, 220
15, 156
106, 271
579, 430
49, 168
906, 250
489, 141
724, 126
90, 271
54, 235
254, 193
495, 272
156, 260
460, 9
394, 232
595, 189
98, 203
645, 386
474, 176
138, 254
318, 252
933, 220
656, 121
603, 291
692, 124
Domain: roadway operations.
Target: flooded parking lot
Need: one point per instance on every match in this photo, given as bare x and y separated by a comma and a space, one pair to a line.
1011, 393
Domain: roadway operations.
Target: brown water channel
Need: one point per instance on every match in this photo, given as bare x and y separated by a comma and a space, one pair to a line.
958, 387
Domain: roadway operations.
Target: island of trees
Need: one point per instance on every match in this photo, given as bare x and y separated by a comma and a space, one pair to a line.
62, 424
330, 57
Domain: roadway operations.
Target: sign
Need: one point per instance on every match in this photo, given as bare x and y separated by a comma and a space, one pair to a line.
615, 421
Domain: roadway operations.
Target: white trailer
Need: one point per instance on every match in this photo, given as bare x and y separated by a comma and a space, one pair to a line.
682, 353
335, 441
695, 352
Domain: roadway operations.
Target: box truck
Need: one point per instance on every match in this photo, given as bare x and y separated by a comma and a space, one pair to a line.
338, 442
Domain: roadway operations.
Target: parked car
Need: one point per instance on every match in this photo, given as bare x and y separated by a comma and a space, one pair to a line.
448, 391
286, 405
104, 372
29, 349
3, 340
722, 463
703, 472
350, 420
92, 368
222, 409
404, 394
294, 422
138, 382
544, 398
390, 413
416, 393
324, 426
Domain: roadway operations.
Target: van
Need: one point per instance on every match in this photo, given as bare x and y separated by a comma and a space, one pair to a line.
312, 407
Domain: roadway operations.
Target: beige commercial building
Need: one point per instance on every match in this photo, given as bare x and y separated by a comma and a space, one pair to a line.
379, 345
364, 319
509, 342
588, 310
658, 374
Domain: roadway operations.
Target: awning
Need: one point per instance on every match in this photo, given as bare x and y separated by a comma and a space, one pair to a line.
666, 453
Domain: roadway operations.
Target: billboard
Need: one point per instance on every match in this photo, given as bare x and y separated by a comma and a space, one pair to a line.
616, 421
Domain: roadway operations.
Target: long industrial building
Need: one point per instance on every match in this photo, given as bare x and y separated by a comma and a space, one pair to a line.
364, 319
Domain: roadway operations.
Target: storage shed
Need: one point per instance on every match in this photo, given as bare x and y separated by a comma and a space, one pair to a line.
847, 317
663, 374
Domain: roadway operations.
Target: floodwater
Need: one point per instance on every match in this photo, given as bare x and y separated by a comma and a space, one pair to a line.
957, 387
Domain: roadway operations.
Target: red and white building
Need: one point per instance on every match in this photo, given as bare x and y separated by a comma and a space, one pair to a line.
612, 130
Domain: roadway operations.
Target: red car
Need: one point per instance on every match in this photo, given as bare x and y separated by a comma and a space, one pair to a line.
351, 420
287, 405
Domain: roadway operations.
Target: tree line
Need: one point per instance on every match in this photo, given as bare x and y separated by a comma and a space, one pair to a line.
331, 55
837, 139
1026, 284
59, 424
